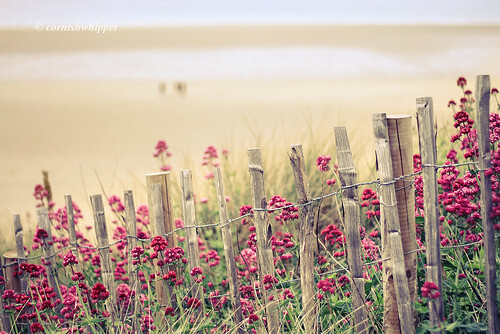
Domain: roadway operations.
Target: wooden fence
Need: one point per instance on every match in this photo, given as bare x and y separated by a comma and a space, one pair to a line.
396, 194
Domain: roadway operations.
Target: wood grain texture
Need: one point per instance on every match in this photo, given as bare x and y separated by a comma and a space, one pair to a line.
189, 215
398, 313
352, 209
48, 250
19, 235
131, 224
483, 119
428, 155
264, 233
5, 324
307, 239
72, 230
163, 291
107, 273
166, 195
227, 238
400, 132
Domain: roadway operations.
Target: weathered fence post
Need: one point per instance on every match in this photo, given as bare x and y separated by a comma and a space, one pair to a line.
307, 238
350, 203
73, 246
48, 250
12, 281
107, 274
163, 292
131, 222
264, 233
18, 230
483, 121
189, 215
227, 238
401, 142
5, 324
166, 195
428, 154
394, 275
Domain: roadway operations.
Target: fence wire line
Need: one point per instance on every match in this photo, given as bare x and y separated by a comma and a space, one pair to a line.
269, 210
339, 270
330, 272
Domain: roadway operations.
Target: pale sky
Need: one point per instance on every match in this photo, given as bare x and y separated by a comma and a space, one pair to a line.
26, 13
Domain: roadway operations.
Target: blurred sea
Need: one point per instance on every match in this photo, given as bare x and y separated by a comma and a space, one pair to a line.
245, 63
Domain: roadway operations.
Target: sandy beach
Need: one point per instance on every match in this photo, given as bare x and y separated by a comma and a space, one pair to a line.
78, 128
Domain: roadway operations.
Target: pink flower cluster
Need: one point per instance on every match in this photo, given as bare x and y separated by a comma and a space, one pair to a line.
322, 162
287, 210
162, 153
210, 157
430, 290
70, 259
370, 200
245, 209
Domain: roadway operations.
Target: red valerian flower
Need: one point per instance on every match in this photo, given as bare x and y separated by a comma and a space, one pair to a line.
269, 281
245, 209
37, 328
142, 214
212, 258
137, 252
288, 211
116, 204
252, 318
99, 292
196, 271
70, 258
461, 82
322, 162
41, 234
430, 290
77, 276
40, 192
169, 310
159, 243
161, 147
193, 302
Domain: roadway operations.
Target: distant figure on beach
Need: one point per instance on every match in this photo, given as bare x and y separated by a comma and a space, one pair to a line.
181, 88
162, 87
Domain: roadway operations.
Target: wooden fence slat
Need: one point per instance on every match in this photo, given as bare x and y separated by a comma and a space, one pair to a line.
483, 119
131, 223
107, 274
307, 238
73, 246
5, 316
12, 281
394, 275
48, 250
189, 215
19, 234
166, 195
264, 233
163, 292
428, 154
400, 132
352, 209
227, 238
